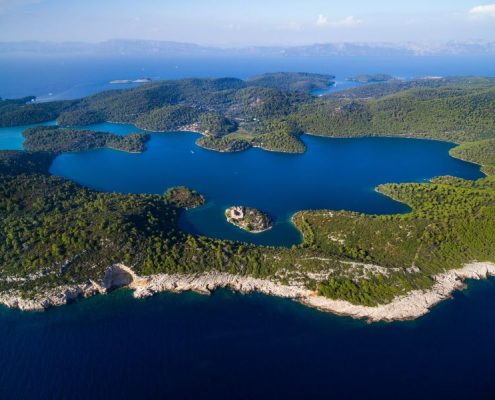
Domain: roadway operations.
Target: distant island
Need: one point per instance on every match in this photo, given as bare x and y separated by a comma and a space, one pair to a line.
146, 48
371, 78
123, 81
248, 219
61, 241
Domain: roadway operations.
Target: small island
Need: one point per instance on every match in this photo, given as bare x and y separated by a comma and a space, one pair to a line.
124, 81
248, 219
371, 78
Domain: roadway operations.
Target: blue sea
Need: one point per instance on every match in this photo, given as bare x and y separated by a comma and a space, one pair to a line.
229, 345
53, 78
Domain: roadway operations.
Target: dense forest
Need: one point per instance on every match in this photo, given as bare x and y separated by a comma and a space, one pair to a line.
480, 152
272, 110
447, 113
54, 231
371, 78
298, 82
58, 140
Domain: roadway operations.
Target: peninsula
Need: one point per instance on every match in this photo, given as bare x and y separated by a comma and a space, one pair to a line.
60, 240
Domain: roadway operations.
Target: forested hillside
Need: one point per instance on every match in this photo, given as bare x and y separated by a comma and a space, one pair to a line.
272, 110
58, 140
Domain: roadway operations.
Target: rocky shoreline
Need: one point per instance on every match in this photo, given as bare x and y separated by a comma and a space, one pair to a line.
407, 307
248, 219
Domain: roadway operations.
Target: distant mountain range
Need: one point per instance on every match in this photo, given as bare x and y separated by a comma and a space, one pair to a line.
164, 48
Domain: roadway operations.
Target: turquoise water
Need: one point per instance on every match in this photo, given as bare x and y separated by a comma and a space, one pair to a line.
12, 139
333, 173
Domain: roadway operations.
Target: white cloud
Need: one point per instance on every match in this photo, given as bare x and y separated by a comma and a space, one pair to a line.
487, 10
348, 21
321, 20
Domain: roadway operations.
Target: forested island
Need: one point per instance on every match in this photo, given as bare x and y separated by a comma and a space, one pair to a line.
249, 219
59, 239
371, 78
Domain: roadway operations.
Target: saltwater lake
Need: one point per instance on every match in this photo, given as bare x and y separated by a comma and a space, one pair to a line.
245, 346
332, 174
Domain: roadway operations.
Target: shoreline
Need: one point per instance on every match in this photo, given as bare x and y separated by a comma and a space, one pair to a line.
406, 307
192, 129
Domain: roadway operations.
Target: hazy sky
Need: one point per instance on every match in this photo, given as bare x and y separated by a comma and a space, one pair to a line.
247, 22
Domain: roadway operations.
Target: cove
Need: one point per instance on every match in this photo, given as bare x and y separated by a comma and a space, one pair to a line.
12, 139
332, 174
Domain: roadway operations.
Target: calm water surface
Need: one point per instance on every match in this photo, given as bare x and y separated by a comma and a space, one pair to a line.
229, 346
55, 78
333, 173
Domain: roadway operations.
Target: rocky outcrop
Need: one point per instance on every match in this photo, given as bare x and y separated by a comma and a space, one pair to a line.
410, 306
116, 276
54, 297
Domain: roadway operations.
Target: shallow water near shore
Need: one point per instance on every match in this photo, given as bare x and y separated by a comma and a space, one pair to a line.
230, 345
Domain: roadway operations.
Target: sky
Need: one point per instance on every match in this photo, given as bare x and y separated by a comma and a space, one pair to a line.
248, 22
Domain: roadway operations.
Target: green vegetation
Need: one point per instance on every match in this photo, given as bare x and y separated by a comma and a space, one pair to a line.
55, 232
272, 110
371, 78
279, 135
25, 112
258, 104
452, 222
14, 162
223, 144
58, 140
454, 111
249, 219
80, 117
216, 125
275, 135
183, 197
481, 152
296, 81
167, 118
